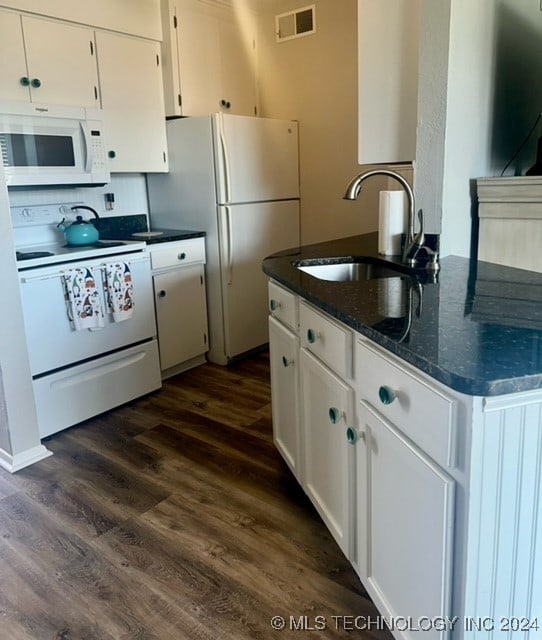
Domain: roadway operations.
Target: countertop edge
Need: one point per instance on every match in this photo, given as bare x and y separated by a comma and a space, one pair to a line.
462, 384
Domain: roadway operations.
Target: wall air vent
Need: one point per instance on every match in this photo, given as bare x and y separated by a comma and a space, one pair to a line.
294, 24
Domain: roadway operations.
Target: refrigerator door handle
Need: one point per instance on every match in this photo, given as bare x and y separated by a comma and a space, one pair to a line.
229, 241
226, 164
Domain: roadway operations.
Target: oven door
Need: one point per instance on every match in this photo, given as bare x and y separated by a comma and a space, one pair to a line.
52, 341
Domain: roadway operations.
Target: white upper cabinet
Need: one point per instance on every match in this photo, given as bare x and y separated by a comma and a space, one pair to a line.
135, 17
12, 59
132, 100
47, 62
387, 80
209, 58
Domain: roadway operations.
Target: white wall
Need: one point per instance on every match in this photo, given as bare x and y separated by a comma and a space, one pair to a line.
432, 92
517, 86
129, 189
479, 94
469, 123
19, 438
313, 79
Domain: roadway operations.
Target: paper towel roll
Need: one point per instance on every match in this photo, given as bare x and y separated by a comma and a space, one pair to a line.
391, 222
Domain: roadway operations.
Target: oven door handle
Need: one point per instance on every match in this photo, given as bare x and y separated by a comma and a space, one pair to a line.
24, 279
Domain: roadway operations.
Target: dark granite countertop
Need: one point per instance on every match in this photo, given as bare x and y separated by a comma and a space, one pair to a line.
124, 228
476, 327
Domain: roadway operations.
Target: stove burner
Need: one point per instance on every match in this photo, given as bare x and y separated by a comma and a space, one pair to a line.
98, 244
29, 255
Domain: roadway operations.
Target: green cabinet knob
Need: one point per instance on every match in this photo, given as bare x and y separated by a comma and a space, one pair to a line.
311, 336
351, 435
162, 294
35, 82
286, 362
111, 154
25, 81
334, 415
386, 395
181, 256
274, 304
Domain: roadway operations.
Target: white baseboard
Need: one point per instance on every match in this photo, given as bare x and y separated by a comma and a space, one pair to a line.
13, 463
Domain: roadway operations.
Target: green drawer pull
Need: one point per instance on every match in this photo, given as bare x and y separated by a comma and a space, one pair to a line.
25, 81
36, 83
386, 395
334, 415
181, 256
286, 362
274, 304
311, 336
351, 435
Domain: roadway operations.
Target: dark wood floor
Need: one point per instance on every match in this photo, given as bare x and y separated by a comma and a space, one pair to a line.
172, 517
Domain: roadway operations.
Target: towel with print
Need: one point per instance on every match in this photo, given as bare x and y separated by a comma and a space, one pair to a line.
120, 290
83, 300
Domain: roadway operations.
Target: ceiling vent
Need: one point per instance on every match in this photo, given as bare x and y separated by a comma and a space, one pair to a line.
294, 24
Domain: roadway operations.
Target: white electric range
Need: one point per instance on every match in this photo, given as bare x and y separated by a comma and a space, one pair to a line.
79, 370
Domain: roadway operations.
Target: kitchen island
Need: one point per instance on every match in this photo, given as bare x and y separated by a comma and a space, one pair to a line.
410, 410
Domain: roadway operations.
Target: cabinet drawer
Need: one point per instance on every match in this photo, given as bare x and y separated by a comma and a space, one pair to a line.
175, 254
422, 412
331, 342
283, 306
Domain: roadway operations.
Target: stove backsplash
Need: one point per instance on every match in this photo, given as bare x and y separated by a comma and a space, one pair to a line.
130, 196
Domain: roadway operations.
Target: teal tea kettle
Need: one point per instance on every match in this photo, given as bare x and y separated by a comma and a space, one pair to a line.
80, 232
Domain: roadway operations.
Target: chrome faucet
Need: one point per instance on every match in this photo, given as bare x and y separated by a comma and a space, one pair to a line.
413, 242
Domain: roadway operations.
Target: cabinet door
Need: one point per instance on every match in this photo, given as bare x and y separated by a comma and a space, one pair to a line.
199, 58
13, 71
132, 98
237, 68
214, 49
284, 364
52, 63
328, 460
405, 520
387, 80
181, 315
61, 60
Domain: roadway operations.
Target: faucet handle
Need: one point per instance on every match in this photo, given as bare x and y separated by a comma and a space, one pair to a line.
433, 263
420, 218
419, 238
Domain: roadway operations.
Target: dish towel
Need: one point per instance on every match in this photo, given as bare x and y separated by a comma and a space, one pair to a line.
82, 295
120, 290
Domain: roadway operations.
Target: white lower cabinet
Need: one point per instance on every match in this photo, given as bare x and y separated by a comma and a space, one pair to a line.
444, 489
284, 366
405, 513
181, 309
389, 505
328, 478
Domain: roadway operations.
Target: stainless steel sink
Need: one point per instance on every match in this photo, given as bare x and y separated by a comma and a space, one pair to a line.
347, 270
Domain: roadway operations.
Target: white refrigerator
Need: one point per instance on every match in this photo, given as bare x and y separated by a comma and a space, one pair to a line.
237, 179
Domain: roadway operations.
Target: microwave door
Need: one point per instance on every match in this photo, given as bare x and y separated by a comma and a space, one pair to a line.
38, 150
53, 150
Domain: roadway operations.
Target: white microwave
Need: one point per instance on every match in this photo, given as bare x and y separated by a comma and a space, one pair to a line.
52, 145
